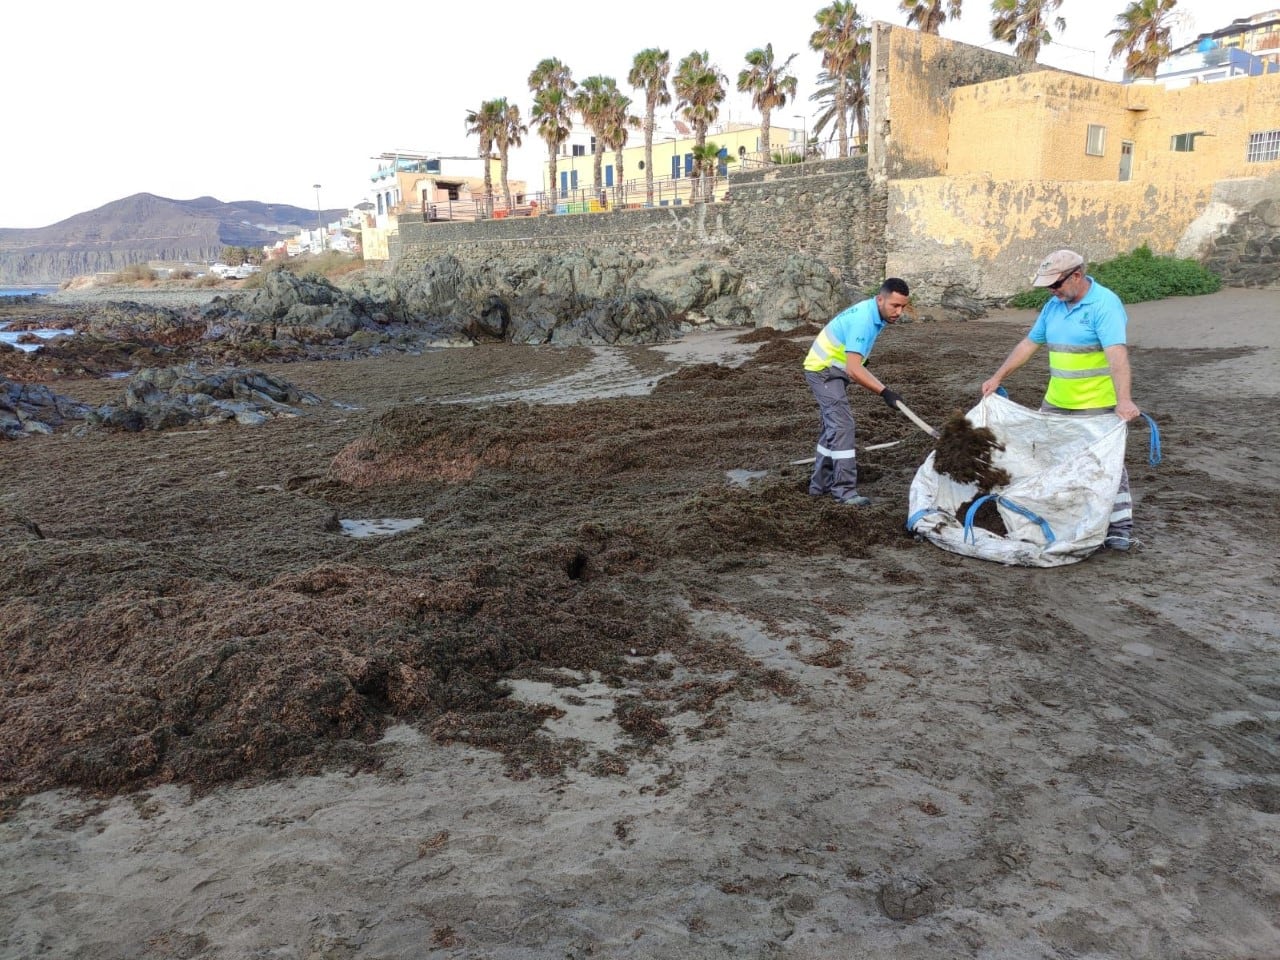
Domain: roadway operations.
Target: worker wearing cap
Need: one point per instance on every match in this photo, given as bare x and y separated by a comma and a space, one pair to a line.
838, 356
1084, 326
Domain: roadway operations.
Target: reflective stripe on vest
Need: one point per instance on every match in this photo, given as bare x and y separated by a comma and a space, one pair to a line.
824, 353
1079, 377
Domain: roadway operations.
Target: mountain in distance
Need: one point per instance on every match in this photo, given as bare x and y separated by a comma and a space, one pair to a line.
142, 228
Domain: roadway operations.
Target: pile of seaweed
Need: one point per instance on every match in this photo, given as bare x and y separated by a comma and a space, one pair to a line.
964, 453
202, 619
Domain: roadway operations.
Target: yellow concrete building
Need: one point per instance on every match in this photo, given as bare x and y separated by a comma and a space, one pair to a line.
984, 177
740, 148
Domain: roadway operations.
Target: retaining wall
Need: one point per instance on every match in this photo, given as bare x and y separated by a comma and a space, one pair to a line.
826, 209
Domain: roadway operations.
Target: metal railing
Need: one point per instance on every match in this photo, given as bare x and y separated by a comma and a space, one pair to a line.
628, 195
632, 194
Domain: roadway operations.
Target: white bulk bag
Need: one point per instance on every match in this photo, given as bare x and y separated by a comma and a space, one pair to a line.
1064, 473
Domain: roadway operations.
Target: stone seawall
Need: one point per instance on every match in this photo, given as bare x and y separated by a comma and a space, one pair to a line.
825, 209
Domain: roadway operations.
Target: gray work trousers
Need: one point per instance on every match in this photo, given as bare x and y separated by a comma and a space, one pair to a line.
835, 465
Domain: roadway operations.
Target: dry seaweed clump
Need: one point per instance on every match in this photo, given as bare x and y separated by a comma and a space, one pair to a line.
964, 453
987, 516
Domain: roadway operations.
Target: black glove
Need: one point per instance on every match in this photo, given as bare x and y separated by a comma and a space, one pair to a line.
889, 397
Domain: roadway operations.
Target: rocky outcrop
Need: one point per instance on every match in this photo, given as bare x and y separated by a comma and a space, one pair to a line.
165, 397
804, 291
304, 309
602, 297
29, 408
1237, 235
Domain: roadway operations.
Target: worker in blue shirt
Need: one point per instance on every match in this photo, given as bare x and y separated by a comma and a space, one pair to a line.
838, 356
1084, 326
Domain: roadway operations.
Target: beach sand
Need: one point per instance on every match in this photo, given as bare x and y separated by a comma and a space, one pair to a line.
940, 757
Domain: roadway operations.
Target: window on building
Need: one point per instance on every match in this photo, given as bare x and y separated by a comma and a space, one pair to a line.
579, 150
1183, 142
1263, 146
1095, 141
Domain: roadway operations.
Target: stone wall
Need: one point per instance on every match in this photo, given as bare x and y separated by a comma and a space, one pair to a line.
983, 237
825, 209
1238, 235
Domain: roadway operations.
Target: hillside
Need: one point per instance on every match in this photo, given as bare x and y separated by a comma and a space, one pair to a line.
145, 227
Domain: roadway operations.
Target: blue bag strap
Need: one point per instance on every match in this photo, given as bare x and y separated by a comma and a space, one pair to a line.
970, 537
916, 517
1153, 454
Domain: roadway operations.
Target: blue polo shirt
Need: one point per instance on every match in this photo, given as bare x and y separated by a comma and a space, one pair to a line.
852, 330
1096, 320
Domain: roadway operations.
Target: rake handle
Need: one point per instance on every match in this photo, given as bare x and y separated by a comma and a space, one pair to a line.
916, 420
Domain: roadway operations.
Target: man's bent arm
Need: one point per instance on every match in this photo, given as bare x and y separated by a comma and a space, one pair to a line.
860, 375
1118, 358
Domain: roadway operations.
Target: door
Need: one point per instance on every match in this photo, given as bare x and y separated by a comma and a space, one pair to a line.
1126, 159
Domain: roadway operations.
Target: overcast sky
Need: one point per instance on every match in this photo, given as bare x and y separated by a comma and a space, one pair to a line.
261, 101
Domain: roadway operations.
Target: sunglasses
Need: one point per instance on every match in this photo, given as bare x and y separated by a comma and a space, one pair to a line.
1061, 280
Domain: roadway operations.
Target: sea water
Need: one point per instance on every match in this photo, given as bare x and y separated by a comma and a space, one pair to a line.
26, 291
11, 338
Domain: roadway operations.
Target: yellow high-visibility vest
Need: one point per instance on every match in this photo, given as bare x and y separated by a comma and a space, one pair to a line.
1079, 378
824, 353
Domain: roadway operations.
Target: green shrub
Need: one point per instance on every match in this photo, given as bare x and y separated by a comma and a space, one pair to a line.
1136, 277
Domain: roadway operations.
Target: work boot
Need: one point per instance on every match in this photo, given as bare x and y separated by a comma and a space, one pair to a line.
854, 500
1120, 541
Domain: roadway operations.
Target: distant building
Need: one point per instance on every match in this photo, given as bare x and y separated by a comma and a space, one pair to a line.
1211, 64
408, 181
673, 164
1258, 35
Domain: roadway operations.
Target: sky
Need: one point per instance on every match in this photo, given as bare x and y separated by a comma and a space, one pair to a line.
261, 102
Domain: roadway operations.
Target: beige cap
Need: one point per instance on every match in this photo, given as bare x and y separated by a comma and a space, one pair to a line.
1055, 265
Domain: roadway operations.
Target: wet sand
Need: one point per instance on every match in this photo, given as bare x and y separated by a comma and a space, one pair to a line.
684, 717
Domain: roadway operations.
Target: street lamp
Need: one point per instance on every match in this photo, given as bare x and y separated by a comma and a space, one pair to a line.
319, 226
804, 135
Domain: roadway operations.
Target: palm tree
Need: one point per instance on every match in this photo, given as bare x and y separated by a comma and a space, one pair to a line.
552, 85
700, 90
707, 158
1142, 34
928, 15
594, 102
507, 135
649, 71
485, 123
852, 90
843, 40
770, 86
617, 120
1022, 23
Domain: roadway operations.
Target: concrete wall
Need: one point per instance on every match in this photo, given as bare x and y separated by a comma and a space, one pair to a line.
985, 236
826, 209
913, 76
